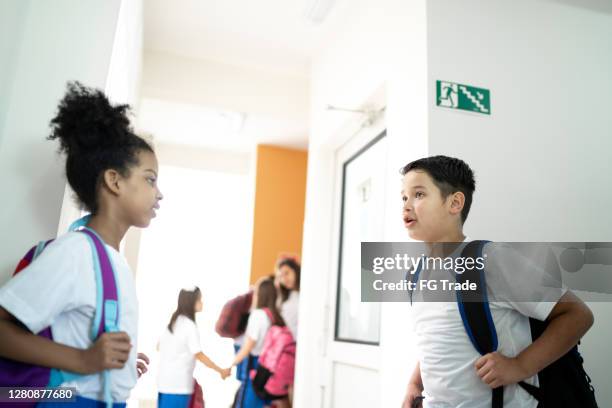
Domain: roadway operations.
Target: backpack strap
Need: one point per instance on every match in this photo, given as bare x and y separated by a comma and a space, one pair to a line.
107, 304
534, 391
414, 278
106, 318
475, 312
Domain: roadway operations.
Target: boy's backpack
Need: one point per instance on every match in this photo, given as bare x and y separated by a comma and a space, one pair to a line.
563, 383
276, 365
234, 316
17, 374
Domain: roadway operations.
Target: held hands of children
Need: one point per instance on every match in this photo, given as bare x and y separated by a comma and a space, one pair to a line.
225, 372
111, 350
497, 370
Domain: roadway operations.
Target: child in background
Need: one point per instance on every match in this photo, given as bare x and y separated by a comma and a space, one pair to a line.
180, 348
264, 297
287, 280
114, 175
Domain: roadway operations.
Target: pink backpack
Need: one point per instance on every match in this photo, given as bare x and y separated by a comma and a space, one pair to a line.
276, 365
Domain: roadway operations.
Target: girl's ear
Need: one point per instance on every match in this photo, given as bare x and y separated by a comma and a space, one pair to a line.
111, 180
457, 201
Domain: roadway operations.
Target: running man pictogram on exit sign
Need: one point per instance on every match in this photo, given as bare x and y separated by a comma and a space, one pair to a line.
464, 97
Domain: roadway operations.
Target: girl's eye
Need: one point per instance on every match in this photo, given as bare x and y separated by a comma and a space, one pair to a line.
151, 180
419, 194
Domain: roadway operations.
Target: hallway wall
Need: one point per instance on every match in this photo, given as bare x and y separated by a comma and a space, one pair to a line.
280, 189
542, 158
56, 41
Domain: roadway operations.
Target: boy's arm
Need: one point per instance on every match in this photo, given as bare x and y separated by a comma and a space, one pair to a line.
568, 321
414, 388
111, 350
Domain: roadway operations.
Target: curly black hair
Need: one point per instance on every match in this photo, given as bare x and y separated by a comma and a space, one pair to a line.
450, 175
95, 136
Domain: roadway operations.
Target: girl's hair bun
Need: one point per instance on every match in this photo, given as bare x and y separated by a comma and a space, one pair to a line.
86, 121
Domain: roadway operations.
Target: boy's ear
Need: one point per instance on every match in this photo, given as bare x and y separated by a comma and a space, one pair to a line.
111, 180
457, 201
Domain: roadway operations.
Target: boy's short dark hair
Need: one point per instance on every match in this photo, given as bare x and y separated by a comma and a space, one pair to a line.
449, 175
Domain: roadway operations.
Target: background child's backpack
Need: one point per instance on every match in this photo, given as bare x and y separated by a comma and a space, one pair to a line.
234, 316
563, 384
276, 365
17, 374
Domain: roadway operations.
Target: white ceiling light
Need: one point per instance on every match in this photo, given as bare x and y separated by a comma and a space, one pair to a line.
317, 10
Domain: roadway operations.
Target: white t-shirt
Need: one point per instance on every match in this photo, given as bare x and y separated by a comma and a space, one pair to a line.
256, 330
177, 357
59, 289
446, 354
289, 312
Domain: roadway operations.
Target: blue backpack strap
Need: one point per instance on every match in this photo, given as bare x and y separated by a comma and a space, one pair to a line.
414, 278
106, 318
107, 308
475, 312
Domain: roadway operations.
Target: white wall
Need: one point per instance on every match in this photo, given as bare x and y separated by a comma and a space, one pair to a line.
543, 158
547, 65
12, 18
378, 45
53, 42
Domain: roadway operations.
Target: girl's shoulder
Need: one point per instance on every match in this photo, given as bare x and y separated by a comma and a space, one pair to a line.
259, 316
69, 241
70, 248
183, 323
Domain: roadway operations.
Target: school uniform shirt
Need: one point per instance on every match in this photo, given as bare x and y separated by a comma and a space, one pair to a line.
446, 354
59, 290
177, 357
256, 330
289, 312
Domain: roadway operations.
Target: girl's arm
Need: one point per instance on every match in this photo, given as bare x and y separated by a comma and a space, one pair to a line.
245, 350
203, 358
111, 350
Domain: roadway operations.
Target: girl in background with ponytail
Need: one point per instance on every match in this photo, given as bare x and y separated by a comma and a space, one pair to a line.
179, 349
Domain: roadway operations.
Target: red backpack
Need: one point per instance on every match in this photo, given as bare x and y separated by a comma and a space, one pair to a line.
276, 365
234, 316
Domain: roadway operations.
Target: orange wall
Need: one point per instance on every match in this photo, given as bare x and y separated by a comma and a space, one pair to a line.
280, 194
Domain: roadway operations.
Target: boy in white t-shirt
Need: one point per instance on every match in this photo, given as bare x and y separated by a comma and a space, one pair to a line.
437, 195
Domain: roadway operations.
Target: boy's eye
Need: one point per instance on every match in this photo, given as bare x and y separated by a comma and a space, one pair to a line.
151, 180
419, 194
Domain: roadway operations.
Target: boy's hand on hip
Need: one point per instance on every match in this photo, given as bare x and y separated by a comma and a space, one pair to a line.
412, 393
111, 350
497, 370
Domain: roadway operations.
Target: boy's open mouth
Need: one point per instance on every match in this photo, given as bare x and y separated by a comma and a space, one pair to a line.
409, 221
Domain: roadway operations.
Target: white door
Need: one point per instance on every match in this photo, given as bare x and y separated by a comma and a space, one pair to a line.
352, 356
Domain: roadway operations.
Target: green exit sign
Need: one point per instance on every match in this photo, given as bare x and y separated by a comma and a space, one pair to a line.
464, 97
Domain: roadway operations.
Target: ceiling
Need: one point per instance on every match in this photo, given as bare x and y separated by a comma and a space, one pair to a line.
268, 34
175, 123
